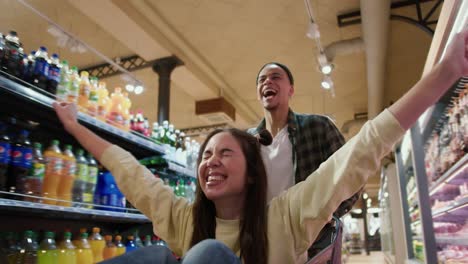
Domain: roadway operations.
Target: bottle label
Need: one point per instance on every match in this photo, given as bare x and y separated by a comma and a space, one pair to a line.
82, 172
69, 168
92, 174
5, 152
37, 170
54, 165
41, 67
93, 97
22, 157
54, 74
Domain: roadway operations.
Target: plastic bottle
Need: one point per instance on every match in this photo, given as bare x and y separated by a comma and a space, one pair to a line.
103, 101
64, 190
115, 110
137, 239
74, 85
77, 240
54, 74
84, 254
64, 82
82, 172
93, 99
21, 161
130, 246
13, 57
28, 252
41, 68
83, 94
35, 178
110, 250
48, 252
126, 104
91, 181
11, 249
147, 242
28, 70
53, 172
67, 253
97, 244
120, 247
5, 156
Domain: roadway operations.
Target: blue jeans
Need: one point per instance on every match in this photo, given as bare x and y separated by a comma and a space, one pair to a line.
208, 251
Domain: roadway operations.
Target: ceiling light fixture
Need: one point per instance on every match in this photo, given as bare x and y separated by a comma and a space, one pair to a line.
139, 89
313, 31
129, 88
327, 82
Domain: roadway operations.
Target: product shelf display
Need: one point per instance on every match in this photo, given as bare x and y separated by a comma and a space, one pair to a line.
47, 181
432, 167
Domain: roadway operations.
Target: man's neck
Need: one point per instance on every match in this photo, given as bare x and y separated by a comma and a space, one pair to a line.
275, 120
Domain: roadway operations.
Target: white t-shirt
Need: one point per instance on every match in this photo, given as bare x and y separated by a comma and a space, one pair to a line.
277, 158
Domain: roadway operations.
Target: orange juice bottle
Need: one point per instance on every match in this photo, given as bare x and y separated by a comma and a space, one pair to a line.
115, 109
97, 244
103, 101
120, 247
84, 254
67, 252
83, 92
48, 252
64, 191
93, 96
53, 172
110, 250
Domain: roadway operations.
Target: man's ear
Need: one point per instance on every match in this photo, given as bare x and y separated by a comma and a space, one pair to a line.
291, 91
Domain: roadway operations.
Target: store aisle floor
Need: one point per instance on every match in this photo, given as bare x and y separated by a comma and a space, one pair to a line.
375, 257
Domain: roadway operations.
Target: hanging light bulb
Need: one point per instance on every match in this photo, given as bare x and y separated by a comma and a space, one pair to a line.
129, 88
325, 66
138, 89
327, 82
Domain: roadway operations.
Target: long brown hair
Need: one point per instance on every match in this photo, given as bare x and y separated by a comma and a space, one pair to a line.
253, 226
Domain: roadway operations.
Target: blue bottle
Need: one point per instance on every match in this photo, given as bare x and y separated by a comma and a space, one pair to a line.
130, 246
5, 155
41, 68
21, 162
54, 74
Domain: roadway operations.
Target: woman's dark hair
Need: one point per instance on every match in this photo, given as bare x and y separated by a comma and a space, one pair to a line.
282, 66
253, 225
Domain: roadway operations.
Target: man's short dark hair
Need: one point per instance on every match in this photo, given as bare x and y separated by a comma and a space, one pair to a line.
282, 66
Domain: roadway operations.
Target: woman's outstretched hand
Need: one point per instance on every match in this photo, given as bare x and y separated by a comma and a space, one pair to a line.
456, 55
67, 113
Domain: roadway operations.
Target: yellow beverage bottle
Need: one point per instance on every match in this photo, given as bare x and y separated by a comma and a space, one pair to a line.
67, 252
83, 92
119, 246
64, 191
97, 244
126, 104
73, 85
110, 250
48, 252
103, 100
93, 99
115, 109
77, 240
84, 254
53, 172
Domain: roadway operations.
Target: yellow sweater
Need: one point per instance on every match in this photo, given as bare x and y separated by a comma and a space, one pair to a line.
295, 217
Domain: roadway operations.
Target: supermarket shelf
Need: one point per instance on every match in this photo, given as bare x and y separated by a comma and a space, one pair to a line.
412, 195
462, 241
459, 208
32, 95
54, 211
450, 175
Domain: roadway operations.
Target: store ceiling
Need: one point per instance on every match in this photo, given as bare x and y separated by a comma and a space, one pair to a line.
223, 44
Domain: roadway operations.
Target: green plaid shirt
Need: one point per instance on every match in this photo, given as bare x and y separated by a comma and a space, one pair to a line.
314, 138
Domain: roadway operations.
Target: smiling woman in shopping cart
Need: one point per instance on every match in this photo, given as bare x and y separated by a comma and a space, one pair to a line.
230, 220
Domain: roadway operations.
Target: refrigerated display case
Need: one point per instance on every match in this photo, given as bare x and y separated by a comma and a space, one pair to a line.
25, 105
432, 163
